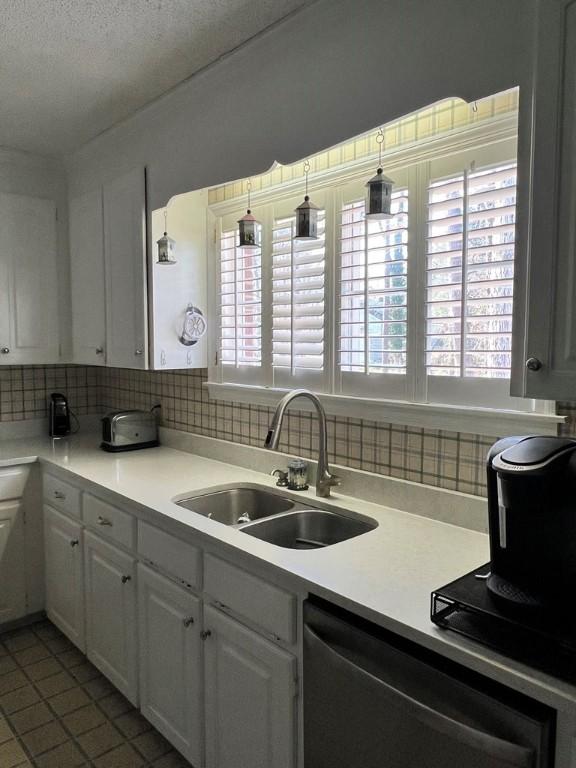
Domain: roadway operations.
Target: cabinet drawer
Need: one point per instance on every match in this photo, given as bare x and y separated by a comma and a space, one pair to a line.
62, 495
109, 521
248, 596
173, 556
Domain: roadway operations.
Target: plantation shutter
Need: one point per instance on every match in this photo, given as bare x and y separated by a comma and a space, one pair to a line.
298, 304
373, 299
241, 309
469, 273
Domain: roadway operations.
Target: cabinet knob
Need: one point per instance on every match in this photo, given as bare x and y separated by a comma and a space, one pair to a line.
103, 521
74, 543
533, 364
188, 622
99, 350
59, 495
125, 579
138, 352
206, 633
5, 350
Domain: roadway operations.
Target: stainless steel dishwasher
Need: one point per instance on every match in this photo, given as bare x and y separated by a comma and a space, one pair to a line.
374, 700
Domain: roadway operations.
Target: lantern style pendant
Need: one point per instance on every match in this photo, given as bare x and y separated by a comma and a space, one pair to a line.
249, 228
166, 245
306, 215
378, 205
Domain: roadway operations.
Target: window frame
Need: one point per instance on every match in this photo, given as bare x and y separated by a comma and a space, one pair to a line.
495, 411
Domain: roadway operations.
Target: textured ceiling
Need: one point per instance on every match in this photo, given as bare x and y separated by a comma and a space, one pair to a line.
69, 69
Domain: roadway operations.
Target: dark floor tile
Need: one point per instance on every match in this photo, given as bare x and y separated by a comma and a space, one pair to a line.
42, 669
12, 755
67, 755
17, 641
46, 630
44, 738
132, 724
7, 664
98, 688
68, 701
115, 705
171, 760
100, 740
11, 681
83, 719
16, 700
71, 658
84, 672
32, 717
50, 686
123, 756
59, 644
32, 655
152, 745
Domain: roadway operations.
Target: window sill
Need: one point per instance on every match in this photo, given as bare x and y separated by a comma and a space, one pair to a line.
478, 421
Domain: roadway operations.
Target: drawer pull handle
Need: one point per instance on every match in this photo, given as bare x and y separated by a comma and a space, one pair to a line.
188, 622
99, 350
125, 579
206, 633
74, 543
103, 521
59, 495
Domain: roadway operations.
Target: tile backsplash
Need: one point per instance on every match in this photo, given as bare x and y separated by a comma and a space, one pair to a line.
454, 460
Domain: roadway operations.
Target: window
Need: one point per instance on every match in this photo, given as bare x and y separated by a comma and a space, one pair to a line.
240, 304
416, 307
298, 303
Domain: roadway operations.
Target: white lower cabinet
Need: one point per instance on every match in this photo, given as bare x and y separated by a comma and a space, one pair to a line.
111, 626
250, 688
171, 662
12, 553
64, 575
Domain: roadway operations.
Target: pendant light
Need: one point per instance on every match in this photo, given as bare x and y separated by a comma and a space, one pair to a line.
379, 189
249, 228
306, 215
166, 245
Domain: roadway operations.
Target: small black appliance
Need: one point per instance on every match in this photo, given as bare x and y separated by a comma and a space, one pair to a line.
519, 602
59, 418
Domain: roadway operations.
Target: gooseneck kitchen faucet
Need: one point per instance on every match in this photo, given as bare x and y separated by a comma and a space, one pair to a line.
324, 478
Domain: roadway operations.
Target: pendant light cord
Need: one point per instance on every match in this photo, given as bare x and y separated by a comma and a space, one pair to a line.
306, 172
249, 187
165, 221
380, 142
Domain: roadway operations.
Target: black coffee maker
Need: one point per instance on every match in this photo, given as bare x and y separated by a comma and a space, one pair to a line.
59, 416
532, 522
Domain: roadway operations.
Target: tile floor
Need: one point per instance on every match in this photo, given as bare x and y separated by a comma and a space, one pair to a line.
58, 711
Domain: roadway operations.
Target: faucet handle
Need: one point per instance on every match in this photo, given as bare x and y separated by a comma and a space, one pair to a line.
282, 481
335, 480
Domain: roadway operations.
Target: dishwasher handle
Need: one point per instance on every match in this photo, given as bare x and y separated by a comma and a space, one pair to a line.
504, 753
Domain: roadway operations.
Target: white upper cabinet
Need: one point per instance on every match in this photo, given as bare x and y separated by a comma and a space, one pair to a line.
125, 267
87, 279
29, 320
178, 291
545, 363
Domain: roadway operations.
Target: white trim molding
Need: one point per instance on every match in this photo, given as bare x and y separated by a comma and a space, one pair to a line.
477, 421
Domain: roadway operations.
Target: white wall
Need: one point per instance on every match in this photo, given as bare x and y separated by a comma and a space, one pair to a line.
22, 173
332, 71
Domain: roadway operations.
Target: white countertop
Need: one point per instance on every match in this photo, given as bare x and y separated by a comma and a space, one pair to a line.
386, 575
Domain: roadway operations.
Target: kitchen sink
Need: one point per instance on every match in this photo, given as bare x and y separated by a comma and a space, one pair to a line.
235, 506
308, 529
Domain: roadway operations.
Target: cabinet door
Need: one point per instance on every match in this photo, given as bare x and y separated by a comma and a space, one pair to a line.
125, 260
250, 697
87, 279
30, 290
170, 661
545, 359
12, 562
64, 575
111, 631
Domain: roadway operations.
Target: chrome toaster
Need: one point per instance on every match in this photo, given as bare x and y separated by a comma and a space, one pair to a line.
129, 430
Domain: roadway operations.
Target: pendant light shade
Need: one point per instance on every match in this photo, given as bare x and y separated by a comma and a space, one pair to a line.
306, 215
379, 196
379, 202
249, 228
166, 245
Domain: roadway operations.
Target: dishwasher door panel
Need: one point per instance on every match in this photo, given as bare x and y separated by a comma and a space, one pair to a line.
368, 705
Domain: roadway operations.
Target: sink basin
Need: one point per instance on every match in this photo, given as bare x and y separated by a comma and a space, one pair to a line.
238, 505
308, 529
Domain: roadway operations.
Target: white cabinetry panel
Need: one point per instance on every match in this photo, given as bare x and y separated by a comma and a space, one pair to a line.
12, 558
87, 279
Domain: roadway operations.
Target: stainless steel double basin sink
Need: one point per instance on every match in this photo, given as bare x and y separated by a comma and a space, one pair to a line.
278, 519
